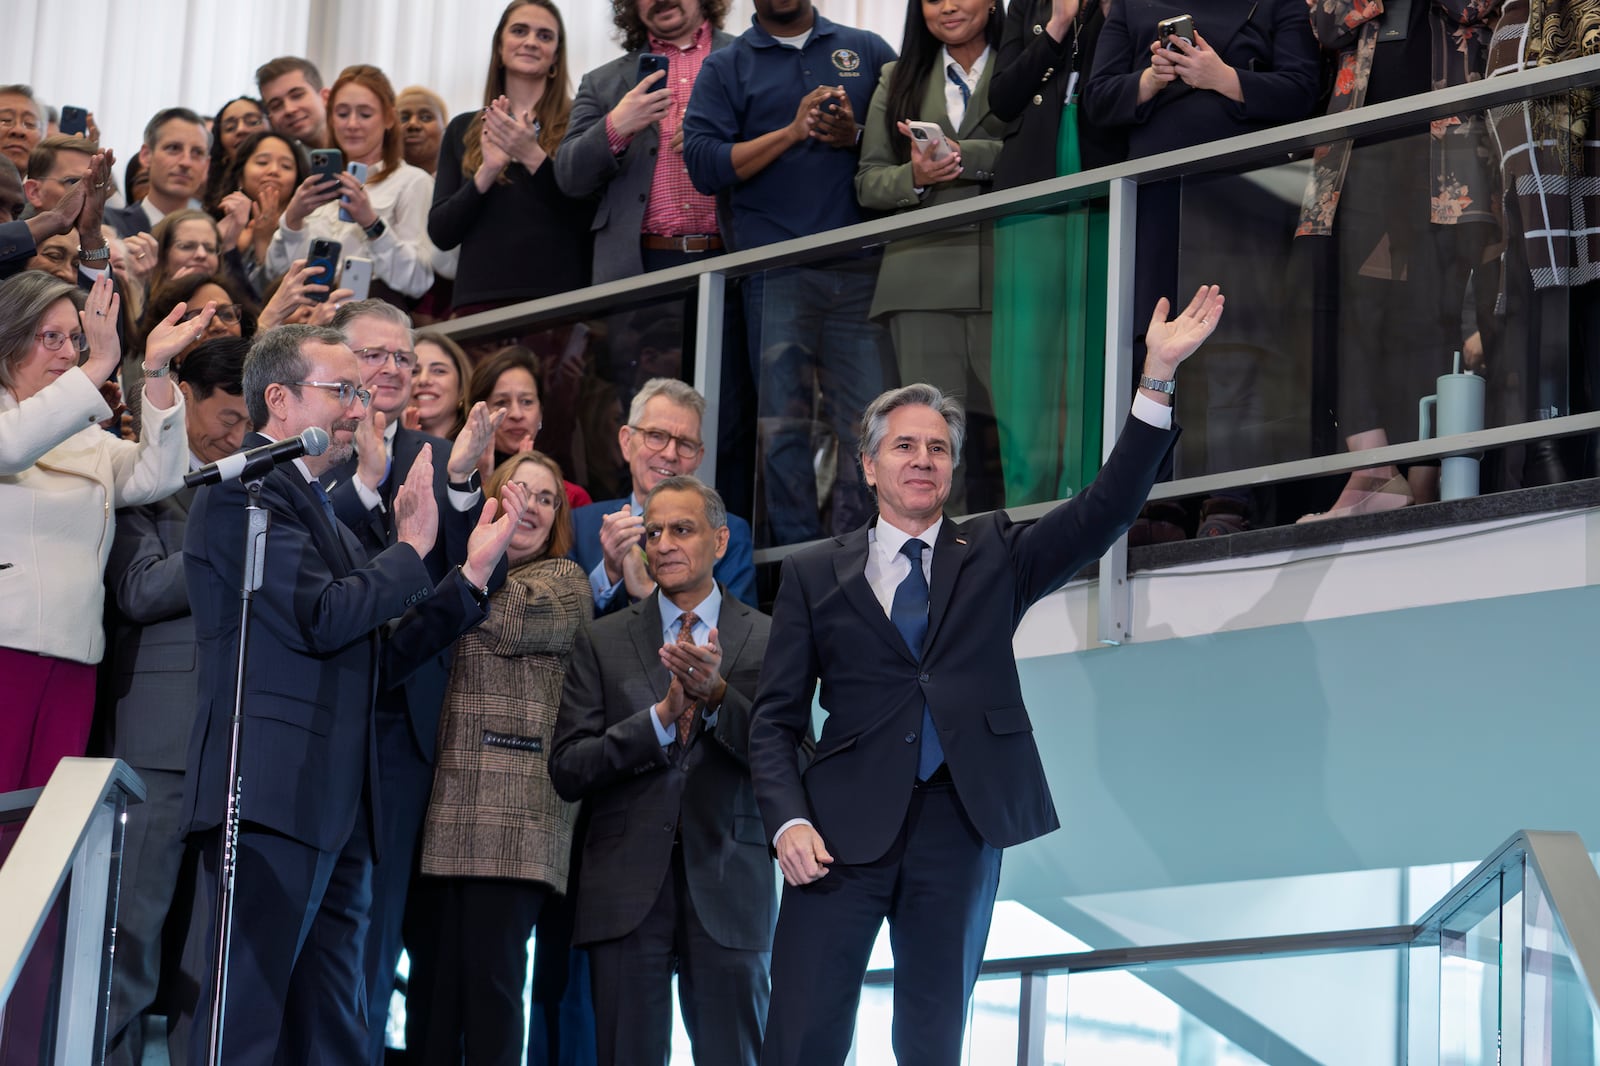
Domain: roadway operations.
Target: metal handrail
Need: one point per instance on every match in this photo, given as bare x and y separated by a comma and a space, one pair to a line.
1230, 154
1559, 858
75, 828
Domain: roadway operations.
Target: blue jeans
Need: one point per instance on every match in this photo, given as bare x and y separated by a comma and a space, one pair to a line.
818, 361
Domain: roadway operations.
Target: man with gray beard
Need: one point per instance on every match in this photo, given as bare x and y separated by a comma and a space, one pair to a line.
319, 649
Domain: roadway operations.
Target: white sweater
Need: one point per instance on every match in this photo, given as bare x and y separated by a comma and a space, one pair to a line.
62, 478
402, 258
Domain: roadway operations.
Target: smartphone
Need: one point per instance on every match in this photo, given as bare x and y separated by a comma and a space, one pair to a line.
649, 63
324, 262
327, 162
1177, 26
357, 277
74, 121
359, 172
928, 134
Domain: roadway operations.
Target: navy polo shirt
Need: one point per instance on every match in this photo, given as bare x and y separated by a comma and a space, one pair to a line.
753, 87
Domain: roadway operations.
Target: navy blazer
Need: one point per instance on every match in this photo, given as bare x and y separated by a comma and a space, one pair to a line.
606, 753
316, 657
128, 220
424, 690
828, 626
736, 569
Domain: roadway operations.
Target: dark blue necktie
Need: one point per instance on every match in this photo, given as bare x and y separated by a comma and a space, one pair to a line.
327, 504
960, 83
909, 613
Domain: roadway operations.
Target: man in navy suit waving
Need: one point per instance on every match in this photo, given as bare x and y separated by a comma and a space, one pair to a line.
926, 767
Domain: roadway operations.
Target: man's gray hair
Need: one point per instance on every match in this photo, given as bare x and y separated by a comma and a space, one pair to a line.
716, 510
20, 89
678, 392
355, 309
276, 358
875, 419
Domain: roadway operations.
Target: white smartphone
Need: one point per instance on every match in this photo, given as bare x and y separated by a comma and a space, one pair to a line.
357, 277
929, 134
359, 172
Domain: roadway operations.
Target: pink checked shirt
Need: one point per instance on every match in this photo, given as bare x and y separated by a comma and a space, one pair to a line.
675, 208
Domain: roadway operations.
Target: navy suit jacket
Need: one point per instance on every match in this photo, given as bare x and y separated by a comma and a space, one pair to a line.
736, 569
828, 626
316, 656
424, 690
128, 220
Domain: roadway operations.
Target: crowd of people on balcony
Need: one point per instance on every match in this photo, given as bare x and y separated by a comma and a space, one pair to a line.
503, 529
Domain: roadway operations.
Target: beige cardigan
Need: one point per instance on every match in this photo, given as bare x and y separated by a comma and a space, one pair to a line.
494, 812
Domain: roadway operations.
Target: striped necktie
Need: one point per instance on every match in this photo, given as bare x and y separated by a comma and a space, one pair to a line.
686, 636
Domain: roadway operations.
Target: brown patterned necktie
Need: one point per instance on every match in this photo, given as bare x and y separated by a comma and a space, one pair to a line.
686, 636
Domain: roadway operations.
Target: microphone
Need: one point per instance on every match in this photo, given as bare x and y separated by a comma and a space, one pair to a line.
258, 461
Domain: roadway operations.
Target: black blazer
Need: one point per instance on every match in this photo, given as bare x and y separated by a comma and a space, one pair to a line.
607, 754
315, 657
828, 626
1029, 91
1268, 42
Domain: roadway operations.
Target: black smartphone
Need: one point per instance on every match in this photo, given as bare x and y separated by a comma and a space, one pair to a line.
324, 255
74, 120
327, 163
1178, 26
649, 63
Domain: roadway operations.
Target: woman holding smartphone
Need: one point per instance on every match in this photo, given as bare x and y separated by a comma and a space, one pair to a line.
382, 218
495, 196
933, 291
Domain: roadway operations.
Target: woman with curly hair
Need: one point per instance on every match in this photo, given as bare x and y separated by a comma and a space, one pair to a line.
494, 197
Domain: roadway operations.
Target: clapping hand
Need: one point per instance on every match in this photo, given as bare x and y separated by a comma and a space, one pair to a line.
493, 533
697, 667
99, 318
833, 121
476, 436
416, 510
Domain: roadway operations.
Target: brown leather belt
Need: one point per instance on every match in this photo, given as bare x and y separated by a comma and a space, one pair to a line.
689, 242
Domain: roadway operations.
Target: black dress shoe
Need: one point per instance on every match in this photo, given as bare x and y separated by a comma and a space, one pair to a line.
1542, 464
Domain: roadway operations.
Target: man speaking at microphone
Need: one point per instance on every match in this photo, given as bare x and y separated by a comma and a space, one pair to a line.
308, 795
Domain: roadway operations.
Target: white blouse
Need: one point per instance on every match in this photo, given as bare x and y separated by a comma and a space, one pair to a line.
402, 257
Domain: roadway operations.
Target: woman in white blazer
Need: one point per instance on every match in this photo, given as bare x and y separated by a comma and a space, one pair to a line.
62, 478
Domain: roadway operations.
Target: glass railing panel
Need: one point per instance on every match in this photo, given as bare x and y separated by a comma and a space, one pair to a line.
1559, 1023
1470, 964
1412, 306
1244, 1010
1006, 315
589, 369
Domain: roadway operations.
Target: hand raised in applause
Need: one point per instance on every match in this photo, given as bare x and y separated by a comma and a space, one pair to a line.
696, 667
372, 451
475, 436
1169, 343
493, 533
619, 532
416, 510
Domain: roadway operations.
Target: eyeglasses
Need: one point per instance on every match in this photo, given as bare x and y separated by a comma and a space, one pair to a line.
250, 120
227, 313
190, 247
546, 500
68, 182
657, 439
11, 120
53, 340
373, 358
347, 392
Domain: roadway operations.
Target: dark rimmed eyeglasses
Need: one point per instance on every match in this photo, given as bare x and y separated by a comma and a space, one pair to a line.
347, 392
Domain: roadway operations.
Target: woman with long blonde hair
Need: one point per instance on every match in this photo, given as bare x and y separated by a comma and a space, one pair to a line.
494, 195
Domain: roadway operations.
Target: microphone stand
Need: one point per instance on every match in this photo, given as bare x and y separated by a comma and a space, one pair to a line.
257, 520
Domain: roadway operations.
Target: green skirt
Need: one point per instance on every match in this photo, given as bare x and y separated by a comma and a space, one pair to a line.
1048, 360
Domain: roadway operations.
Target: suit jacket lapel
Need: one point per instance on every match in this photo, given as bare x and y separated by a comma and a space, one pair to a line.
645, 628
850, 567
949, 555
733, 629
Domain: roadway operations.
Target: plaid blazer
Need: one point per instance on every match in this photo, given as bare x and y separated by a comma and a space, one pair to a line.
493, 812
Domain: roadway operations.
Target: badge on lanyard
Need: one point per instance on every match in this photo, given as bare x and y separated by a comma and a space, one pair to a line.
1072, 88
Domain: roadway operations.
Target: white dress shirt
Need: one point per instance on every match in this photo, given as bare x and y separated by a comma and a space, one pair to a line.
954, 101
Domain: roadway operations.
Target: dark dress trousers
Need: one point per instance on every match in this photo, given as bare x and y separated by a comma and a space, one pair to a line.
319, 651
860, 791
676, 867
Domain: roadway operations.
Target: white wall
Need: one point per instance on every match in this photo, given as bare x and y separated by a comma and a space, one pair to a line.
125, 61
